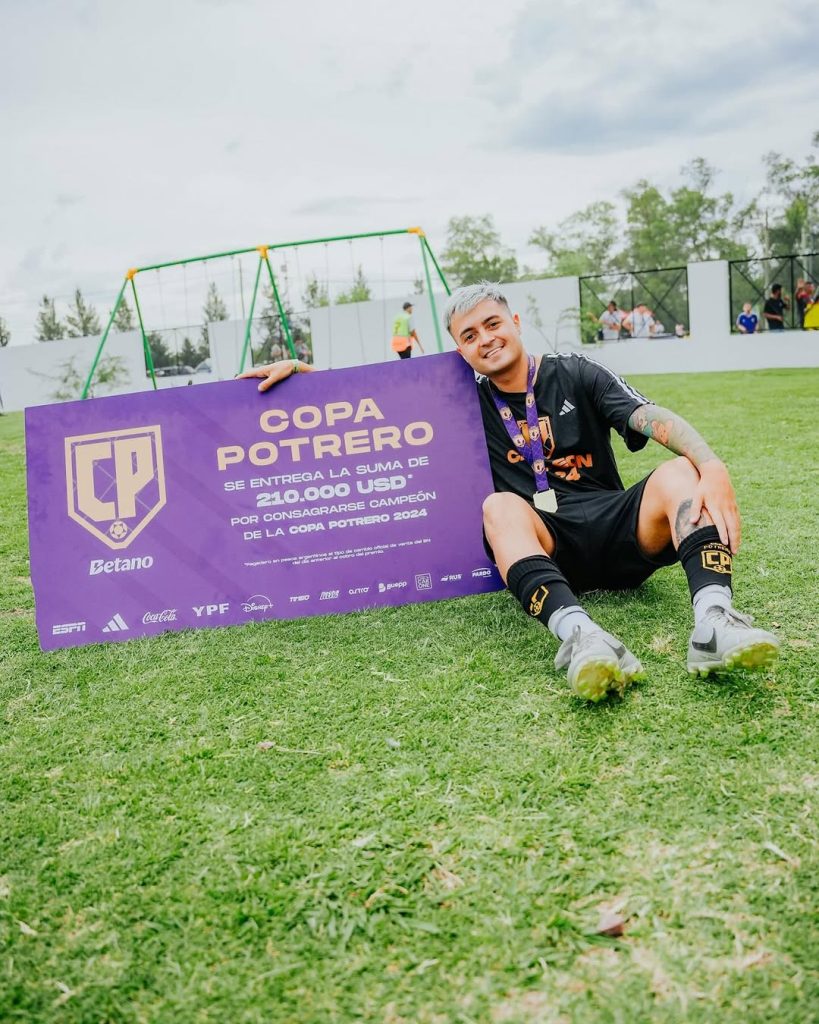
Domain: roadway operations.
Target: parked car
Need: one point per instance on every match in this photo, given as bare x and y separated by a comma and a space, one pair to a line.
173, 371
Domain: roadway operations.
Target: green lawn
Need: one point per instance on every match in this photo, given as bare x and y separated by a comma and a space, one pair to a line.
433, 823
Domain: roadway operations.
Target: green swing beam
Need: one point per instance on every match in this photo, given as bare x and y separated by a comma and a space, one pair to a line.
427, 255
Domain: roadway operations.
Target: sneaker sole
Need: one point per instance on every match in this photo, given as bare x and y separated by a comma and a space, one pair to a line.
754, 656
598, 677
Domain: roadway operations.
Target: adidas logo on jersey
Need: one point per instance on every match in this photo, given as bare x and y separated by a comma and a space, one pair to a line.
116, 625
567, 407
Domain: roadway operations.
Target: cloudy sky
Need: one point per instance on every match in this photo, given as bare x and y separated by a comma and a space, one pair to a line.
136, 132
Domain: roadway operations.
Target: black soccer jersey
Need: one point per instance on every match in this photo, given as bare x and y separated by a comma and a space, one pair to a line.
578, 401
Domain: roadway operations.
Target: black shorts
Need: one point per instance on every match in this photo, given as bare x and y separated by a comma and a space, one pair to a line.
405, 353
596, 540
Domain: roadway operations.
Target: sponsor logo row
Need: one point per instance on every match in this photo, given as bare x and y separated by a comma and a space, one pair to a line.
256, 603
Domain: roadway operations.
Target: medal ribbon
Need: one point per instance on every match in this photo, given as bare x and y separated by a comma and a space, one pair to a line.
533, 451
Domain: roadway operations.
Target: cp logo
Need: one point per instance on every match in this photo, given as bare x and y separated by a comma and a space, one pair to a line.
716, 560
115, 482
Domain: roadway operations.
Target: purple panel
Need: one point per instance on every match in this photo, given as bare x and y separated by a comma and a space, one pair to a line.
215, 505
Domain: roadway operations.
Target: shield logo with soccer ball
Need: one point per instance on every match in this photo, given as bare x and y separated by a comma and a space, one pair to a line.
115, 482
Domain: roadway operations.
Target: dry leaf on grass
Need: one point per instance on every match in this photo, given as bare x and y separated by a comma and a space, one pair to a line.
611, 924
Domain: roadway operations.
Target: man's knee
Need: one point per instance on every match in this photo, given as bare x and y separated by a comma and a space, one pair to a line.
499, 508
675, 476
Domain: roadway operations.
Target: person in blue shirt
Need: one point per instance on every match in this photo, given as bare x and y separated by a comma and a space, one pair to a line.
747, 322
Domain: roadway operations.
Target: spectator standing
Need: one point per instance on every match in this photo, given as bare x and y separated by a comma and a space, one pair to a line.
803, 296
774, 310
403, 333
611, 322
639, 322
747, 322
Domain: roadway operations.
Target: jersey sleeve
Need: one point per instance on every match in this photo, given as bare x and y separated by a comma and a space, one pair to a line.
614, 398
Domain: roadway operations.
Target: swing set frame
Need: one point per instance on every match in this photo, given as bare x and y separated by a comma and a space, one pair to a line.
427, 256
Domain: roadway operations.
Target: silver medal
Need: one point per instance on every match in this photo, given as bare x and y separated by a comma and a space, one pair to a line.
545, 501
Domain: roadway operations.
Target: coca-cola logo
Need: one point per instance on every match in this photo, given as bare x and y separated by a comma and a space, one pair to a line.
166, 615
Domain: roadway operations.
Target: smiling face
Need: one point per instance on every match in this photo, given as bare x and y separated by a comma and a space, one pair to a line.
488, 337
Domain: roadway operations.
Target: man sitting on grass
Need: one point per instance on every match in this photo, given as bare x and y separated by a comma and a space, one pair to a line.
560, 520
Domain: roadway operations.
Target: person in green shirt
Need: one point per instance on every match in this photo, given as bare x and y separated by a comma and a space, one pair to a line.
403, 333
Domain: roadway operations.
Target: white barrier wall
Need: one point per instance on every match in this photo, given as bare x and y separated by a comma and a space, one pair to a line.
348, 335
701, 354
30, 374
708, 298
357, 333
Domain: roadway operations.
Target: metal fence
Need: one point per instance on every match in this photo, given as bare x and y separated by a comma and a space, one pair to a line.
664, 292
751, 281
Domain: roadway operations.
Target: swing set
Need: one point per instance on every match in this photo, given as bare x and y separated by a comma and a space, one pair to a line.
264, 266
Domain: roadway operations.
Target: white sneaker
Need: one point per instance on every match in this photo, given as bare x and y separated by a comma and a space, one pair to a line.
725, 640
597, 663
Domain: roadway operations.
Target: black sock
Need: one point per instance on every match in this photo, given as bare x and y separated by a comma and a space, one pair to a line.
540, 587
705, 559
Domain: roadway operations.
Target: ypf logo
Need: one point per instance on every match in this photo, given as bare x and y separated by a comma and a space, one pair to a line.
115, 482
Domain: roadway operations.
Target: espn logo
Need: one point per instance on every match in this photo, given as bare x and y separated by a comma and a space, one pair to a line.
67, 627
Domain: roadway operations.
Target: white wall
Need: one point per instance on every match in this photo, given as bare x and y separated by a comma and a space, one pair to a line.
360, 333
29, 374
702, 353
709, 310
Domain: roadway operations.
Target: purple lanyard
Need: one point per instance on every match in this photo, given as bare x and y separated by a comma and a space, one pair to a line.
533, 451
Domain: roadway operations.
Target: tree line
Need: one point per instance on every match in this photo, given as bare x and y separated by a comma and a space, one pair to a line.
650, 229
82, 321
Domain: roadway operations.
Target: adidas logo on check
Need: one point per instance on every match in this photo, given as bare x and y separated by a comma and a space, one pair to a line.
116, 625
567, 407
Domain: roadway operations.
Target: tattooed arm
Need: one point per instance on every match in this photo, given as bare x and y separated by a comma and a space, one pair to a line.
714, 494
671, 431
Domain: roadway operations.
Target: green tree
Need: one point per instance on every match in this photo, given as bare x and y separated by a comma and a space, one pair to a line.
273, 339
315, 294
213, 310
358, 292
785, 216
81, 319
161, 355
648, 242
585, 243
702, 222
690, 224
124, 320
189, 354
48, 326
111, 373
474, 252
5, 333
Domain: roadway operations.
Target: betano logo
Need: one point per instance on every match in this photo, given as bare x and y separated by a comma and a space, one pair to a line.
115, 482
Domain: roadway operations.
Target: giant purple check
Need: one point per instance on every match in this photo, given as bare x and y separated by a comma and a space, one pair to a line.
216, 505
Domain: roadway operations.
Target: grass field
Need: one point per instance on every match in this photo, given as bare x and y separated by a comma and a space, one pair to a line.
432, 824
